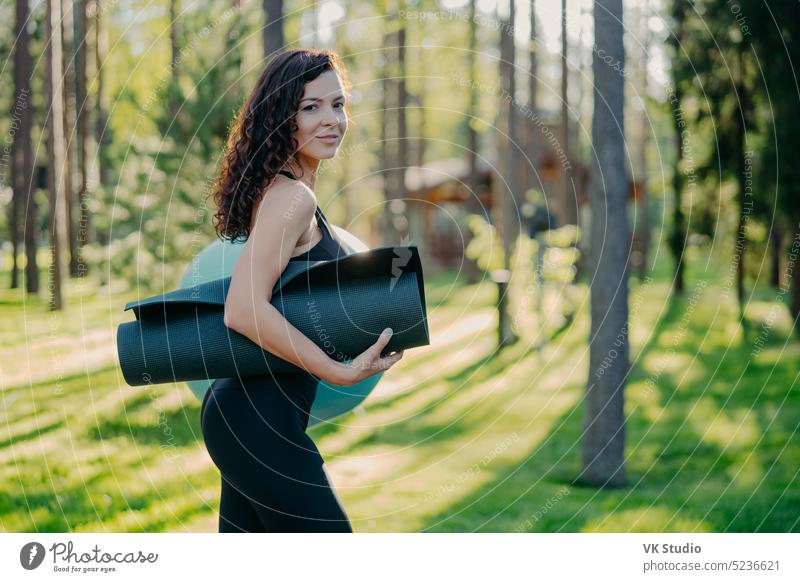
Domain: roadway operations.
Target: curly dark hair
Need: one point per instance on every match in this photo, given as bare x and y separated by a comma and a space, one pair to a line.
260, 141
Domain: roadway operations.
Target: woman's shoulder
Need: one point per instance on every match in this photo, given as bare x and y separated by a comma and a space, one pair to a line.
287, 197
283, 185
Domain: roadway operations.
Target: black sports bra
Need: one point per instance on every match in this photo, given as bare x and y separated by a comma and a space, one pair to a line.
327, 248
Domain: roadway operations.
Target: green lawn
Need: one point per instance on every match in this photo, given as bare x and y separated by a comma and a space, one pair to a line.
457, 437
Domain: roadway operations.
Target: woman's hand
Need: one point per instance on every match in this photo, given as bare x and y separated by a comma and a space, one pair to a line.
366, 364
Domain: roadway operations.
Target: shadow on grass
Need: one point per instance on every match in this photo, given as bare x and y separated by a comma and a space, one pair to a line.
52, 505
469, 383
179, 427
39, 431
685, 485
718, 454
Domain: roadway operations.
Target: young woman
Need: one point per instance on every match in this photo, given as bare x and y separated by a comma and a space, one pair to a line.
273, 477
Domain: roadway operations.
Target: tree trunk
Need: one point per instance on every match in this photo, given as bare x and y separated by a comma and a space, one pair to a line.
569, 195
13, 218
745, 196
272, 33
604, 422
56, 178
776, 253
643, 217
31, 233
677, 236
503, 194
70, 124
511, 214
25, 182
472, 272
22, 154
506, 191
386, 158
415, 210
533, 87
393, 127
400, 221
794, 295
83, 133
100, 49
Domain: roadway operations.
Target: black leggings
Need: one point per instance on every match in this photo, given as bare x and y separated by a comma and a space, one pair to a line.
273, 479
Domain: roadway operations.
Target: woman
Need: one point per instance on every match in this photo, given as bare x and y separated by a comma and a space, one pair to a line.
273, 478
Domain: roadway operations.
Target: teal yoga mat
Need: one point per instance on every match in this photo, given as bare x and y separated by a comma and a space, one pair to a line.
342, 305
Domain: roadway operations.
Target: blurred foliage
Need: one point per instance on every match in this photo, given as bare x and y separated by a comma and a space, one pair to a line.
161, 164
158, 215
554, 255
485, 247
732, 64
165, 136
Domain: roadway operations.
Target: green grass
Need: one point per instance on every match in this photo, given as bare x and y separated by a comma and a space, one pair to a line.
457, 437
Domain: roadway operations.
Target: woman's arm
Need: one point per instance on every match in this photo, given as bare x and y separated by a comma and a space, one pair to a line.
279, 223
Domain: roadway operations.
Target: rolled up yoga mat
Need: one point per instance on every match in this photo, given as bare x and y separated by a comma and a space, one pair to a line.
217, 260
342, 305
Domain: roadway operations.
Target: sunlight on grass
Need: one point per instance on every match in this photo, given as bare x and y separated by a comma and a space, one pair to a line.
644, 399
644, 520
457, 437
485, 422
736, 428
673, 363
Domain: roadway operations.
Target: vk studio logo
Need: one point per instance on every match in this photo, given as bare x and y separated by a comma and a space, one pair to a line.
31, 555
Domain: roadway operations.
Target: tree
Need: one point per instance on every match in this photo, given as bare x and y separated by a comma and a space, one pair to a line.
273, 27
401, 221
711, 69
506, 208
56, 178
394, 160
22, 181
163, 226
72, 180
471, 270
604, 425
774, 39
643, 226
82, 131
676, 239
533, 90
722, 80
386, 161
102, 131
569, 194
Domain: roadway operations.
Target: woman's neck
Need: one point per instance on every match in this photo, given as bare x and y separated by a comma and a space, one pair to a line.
304, 169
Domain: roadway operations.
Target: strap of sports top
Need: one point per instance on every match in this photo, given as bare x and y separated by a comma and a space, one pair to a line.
318, 211
322, 220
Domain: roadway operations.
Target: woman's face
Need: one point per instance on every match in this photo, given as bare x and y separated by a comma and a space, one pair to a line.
321, 113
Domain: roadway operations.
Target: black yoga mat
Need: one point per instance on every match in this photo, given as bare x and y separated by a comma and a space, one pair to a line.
342, 305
